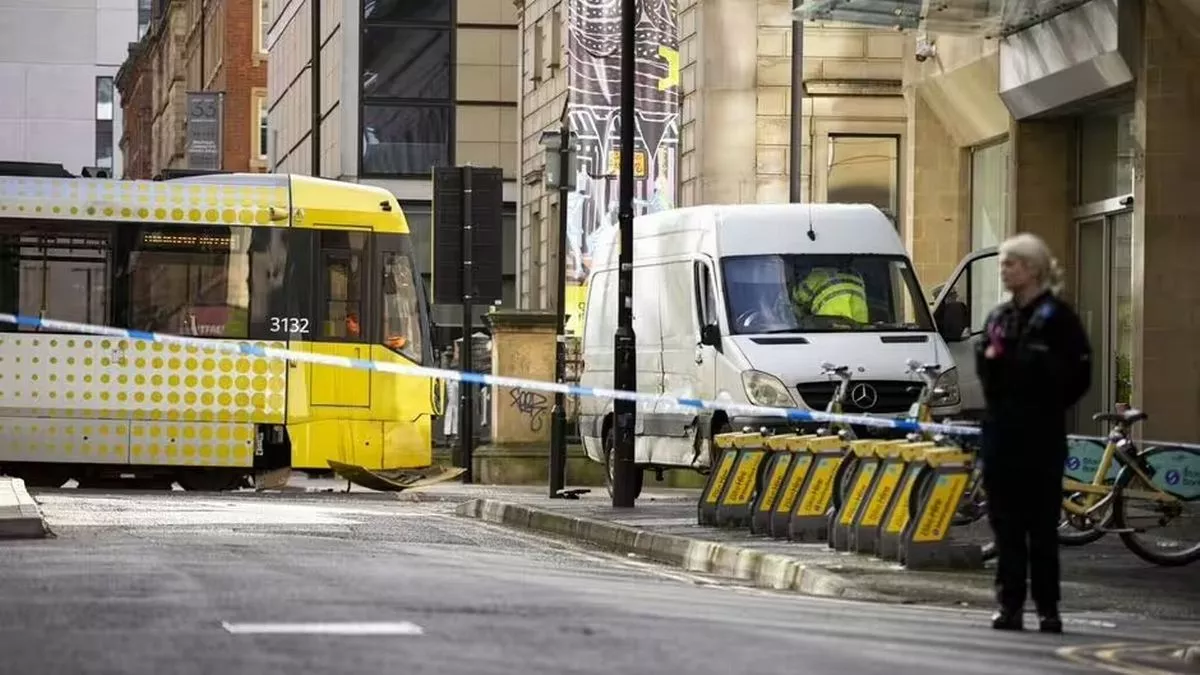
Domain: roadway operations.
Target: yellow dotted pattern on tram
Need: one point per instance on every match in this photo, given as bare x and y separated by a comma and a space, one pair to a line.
169, 403
147, 201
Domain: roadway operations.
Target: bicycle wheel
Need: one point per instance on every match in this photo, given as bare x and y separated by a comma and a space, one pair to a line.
847, 465
974, 501
1132, 517
1076, 530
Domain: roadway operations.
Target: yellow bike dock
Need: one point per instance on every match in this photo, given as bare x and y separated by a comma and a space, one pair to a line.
783, 487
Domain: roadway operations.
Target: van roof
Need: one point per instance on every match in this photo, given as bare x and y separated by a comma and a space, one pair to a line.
750, 229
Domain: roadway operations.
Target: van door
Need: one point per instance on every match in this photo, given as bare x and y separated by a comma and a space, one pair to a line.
960, 310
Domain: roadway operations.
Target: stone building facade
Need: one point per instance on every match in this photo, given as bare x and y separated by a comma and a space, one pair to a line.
192, 46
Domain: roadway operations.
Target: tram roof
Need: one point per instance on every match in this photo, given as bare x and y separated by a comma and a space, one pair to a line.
247, 199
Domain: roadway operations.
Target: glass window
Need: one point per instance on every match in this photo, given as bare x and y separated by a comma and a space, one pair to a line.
989, 195
104, 98
57, 276
705, 300
264, 24
263, 129
796, 293
401, 307
406, 10
864, 170
104, 144
405, 140
342, 287
191, 281
143, 17
1105, 157
406, 63
974, 294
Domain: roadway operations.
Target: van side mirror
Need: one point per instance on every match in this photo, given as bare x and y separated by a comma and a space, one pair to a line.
710, 335
952, 319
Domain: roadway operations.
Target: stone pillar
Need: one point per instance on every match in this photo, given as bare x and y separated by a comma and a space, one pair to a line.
523, 345
1043, 186
1166, 225
940, 211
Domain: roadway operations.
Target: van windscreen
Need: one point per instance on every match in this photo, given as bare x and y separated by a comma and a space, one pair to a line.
803, 293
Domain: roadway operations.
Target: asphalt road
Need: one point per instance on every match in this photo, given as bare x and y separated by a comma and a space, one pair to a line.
183, 583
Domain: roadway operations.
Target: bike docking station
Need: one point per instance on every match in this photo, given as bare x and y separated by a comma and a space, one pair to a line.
809, 521
867, 462
731, 488
926, 542
889, 536
868, 519
785, 451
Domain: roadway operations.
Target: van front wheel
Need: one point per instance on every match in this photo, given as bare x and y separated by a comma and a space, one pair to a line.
610, 444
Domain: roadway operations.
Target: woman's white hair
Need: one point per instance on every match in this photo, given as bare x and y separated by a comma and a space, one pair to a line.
1031, 250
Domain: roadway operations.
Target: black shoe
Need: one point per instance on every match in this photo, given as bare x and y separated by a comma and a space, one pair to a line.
1050, 623
1006, 620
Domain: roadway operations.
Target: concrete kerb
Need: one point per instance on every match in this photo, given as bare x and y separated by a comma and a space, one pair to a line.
20, 515
765, 570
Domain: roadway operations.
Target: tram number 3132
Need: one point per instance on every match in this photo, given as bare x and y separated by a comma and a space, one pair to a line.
289, 324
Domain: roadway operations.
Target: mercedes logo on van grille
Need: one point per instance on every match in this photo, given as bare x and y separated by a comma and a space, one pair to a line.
864, 396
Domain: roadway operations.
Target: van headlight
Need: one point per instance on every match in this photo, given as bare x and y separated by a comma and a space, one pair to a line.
766, 390
946, 390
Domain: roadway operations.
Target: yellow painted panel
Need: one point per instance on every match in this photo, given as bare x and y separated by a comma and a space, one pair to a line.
73, 376
191, 444
64, 440
337, 386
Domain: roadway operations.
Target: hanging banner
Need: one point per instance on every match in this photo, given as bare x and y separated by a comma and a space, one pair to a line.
594, 91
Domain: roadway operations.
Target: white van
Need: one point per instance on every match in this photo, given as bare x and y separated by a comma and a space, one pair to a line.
713, 320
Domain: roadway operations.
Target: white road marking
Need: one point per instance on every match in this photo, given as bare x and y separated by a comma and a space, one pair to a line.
325, 628
81, 511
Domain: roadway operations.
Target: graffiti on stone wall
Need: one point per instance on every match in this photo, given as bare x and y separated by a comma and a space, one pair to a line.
532, 405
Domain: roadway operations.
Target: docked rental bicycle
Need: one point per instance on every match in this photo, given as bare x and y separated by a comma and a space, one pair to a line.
1145, 495
973, 505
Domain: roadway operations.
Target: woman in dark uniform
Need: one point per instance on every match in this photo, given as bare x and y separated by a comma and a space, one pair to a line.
1034, 361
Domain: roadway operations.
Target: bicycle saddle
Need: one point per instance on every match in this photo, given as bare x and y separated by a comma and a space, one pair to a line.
1131, 416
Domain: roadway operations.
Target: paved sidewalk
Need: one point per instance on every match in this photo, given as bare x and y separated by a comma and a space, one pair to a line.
20, 516
1103, 576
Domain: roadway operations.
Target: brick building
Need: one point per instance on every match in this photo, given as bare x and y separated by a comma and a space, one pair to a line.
196, 46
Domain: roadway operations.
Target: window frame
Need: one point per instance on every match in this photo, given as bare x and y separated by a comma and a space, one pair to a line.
401, 245
101, 232
260, 131
450, 25
910, 283
263, 21
825, 130
129, 235
367, 320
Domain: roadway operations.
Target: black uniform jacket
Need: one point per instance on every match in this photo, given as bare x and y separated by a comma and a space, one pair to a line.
1034, 363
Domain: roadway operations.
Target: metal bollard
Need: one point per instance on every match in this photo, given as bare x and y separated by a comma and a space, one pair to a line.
810, 519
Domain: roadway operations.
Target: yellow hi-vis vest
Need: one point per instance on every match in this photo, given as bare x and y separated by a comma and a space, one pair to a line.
827, 293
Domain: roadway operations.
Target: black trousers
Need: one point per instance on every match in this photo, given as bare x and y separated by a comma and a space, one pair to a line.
1024, 500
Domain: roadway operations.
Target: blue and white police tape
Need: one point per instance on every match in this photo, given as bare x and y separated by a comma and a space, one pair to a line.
245, 348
